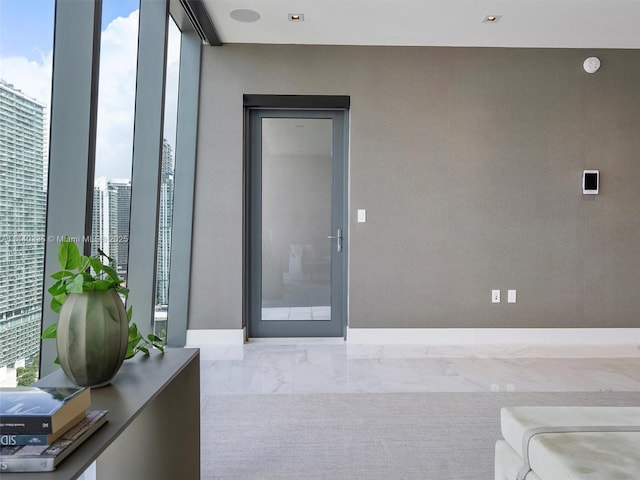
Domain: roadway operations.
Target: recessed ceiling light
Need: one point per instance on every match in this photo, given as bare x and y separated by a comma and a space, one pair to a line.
296, 17
244, 15
492, 18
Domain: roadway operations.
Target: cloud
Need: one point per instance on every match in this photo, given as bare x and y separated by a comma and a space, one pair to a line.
116, 100
33, 78
171, 89
116, 97
116, 92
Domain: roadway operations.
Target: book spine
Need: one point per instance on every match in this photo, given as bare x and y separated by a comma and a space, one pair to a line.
9, 440
18, 464
25, 424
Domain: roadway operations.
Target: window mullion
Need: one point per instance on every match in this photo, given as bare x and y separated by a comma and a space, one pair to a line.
74, 101
186, 136
147, 155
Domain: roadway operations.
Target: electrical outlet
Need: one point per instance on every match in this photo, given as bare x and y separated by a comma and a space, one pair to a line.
511, 296
495, 296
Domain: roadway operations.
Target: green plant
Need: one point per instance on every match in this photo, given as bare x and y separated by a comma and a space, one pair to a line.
79, 274
28, 374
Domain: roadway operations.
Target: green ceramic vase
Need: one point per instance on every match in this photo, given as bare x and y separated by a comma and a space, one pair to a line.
93, 331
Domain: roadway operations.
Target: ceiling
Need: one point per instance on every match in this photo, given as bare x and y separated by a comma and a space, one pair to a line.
522, 23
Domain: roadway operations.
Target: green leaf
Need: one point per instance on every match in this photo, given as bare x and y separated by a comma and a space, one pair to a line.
132, 344
113, 275
122, 291
130, 314
62, 274
68, 255
134, 334
75, 286
84, 263
145, 350
50, 331
97, 265
101, 285
154, 338
57, 301
87, 277
57, 288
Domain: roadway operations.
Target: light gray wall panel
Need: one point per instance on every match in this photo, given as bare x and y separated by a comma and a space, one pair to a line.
469, 164
216, 262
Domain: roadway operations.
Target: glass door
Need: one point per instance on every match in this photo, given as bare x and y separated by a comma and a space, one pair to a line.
297, 232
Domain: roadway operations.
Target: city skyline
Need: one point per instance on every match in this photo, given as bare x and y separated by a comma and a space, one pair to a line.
23, 224
110, 221
26, 62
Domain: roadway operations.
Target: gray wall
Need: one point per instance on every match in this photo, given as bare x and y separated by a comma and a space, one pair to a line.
469, 164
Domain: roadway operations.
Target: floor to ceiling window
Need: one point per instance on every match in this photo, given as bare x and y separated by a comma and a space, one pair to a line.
26, 44
106, 101
114, 136
167, 180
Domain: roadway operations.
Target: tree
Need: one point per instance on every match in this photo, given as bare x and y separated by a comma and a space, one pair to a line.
29, 374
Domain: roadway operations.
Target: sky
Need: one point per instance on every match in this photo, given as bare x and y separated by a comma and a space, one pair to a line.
26, 53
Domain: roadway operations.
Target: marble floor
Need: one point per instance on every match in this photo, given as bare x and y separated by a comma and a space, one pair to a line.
299, 366
296, 313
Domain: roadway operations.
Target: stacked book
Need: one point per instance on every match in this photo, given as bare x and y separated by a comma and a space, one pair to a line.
41, 426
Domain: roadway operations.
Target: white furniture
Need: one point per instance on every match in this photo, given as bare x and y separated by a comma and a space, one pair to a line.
568, 443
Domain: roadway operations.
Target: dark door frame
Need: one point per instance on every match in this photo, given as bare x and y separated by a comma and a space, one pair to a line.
288, 102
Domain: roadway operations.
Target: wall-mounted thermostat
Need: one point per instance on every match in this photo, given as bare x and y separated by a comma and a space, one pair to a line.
590, 182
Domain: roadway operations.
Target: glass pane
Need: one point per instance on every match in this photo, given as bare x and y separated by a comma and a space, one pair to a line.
114, 137
296, 218
26, 46
165, 213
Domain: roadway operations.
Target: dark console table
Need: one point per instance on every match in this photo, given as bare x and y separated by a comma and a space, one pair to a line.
153, 430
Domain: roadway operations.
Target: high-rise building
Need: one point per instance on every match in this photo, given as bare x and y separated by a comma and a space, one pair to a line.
110, 227
122, 186
110, 223
165, 221
105, 219
22, 224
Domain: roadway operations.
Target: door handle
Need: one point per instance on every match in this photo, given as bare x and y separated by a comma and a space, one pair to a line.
338, 237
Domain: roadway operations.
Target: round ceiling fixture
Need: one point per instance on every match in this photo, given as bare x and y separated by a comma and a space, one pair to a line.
244, 15
591, 64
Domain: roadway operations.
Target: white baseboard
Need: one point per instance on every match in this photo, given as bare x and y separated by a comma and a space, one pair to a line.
493, 336
233, 336
449, 336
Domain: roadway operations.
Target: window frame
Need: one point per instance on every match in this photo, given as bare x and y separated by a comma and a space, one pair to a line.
72, 138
